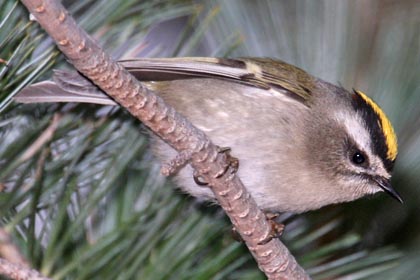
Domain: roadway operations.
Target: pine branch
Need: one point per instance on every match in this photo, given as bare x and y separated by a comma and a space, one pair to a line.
19, 272
273, 257
10, 251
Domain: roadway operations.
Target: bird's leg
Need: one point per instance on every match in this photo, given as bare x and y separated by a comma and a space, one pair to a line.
232, 164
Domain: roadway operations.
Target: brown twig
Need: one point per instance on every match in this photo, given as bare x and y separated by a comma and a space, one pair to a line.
273, 257
19, 272
42, 139
9, 251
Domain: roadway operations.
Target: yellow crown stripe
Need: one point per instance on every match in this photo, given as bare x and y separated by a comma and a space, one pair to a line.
388, 130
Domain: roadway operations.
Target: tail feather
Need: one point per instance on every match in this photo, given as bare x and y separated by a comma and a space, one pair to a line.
66, 87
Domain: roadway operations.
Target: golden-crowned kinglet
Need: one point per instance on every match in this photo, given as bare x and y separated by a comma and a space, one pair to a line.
302, 142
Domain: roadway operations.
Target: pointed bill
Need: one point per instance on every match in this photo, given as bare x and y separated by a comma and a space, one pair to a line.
385, 184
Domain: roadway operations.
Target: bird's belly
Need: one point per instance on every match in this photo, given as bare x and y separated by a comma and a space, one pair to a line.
255, 125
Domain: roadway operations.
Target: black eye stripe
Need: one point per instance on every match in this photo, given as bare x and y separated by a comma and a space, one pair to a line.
372, 120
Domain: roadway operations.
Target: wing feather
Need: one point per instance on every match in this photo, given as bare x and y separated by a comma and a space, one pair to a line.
269, 74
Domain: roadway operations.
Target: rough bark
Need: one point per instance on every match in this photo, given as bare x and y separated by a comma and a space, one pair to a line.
19, 272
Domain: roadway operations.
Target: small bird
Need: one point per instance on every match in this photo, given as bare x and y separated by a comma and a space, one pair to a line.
303, 143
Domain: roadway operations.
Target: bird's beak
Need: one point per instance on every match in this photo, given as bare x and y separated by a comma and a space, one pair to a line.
385, 184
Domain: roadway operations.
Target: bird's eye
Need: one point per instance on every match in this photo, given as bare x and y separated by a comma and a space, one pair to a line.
358, 158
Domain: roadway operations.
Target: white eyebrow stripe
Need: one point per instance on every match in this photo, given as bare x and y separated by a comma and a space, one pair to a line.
353, 125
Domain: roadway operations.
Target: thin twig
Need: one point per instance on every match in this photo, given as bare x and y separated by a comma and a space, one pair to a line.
273, 257
9, 251
19, 272
45, 137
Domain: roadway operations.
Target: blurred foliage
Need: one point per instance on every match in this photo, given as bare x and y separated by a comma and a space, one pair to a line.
19, 38
89, 203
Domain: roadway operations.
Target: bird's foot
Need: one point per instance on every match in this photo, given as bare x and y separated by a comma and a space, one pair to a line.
232, 165
276, 228
275, 232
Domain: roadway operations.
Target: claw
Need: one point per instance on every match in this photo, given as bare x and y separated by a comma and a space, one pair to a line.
236, 235
233, 164
199, 180
277, 229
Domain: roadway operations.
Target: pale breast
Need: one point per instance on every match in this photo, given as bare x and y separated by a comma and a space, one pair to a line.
257, 125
